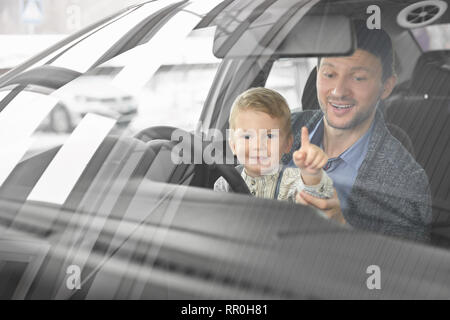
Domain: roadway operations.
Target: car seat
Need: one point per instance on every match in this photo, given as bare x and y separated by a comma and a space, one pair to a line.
423, 111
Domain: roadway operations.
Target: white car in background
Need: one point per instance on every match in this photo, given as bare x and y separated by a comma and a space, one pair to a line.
90, 94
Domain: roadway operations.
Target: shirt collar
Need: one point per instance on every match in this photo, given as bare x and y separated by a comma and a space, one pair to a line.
354, 155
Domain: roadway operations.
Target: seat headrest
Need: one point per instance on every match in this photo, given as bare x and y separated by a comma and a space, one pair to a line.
309, 96
431, 73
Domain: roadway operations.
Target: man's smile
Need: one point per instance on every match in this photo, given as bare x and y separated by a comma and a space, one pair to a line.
341, 107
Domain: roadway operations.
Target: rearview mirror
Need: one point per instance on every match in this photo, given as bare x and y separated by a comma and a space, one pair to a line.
311, 36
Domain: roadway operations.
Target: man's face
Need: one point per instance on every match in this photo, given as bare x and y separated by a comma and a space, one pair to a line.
348, 89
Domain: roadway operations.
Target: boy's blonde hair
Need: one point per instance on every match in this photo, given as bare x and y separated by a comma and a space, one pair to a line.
263, 100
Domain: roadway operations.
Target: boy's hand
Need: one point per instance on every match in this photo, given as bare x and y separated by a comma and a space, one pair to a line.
309, 158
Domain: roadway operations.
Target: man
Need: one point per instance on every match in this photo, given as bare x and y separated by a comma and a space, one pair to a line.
378, 184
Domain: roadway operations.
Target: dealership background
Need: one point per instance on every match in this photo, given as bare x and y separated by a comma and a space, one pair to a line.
29, 26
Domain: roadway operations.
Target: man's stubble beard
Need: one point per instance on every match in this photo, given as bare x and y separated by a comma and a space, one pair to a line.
358, 119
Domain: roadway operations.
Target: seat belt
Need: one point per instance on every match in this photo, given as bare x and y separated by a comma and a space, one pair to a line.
277, 188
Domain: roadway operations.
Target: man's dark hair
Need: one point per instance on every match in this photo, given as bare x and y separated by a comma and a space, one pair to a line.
378, 43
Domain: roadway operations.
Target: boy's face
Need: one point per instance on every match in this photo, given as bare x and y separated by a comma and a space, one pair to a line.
259, 141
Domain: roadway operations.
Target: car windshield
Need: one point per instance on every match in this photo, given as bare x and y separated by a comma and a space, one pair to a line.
150, 65
116, 141
141, 86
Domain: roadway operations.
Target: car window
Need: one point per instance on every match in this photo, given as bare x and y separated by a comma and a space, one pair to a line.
82, 187
288, 76
156, 82
16, 130
191, 65
96, 44
92, 30
434, 37
152, 95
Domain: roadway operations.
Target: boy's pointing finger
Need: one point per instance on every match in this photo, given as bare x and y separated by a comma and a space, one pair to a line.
305, 137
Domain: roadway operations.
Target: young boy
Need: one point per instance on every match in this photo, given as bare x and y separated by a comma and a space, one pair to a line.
260, 123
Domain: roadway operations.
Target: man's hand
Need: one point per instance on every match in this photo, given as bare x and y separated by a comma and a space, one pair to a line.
310, 159
331, 207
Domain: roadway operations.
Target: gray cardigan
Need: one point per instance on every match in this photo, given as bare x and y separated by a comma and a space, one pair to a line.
391, 194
